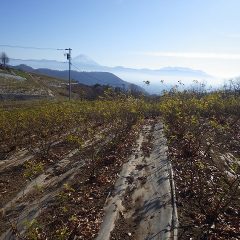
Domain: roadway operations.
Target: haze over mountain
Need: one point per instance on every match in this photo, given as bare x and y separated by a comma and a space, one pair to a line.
170, 75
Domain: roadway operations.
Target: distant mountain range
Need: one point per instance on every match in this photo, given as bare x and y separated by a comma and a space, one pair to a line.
87, 78
170, 75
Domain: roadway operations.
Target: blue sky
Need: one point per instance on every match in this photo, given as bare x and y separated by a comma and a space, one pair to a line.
201, 34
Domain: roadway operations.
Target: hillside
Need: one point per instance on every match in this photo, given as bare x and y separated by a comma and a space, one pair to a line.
87, 78
26, 85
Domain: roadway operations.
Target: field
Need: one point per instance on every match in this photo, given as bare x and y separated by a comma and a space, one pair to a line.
61, 159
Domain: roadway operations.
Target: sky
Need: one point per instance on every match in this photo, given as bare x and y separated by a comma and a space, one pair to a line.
200, 34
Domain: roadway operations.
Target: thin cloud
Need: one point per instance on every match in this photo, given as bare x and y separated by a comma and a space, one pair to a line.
234, 35
224, 56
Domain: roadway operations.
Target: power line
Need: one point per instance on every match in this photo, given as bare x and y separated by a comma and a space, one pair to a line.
76, 67
30, 47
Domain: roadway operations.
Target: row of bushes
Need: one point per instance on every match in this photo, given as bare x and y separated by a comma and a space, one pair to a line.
200, 131
40, 126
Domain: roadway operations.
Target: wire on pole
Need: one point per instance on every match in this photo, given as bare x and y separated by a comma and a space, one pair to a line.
29, 47
55, 49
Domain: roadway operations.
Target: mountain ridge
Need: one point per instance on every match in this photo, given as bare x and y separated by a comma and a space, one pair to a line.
87, 78
87, 62
170, 75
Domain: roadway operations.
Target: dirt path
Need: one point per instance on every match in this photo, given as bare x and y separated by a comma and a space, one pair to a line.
142, 205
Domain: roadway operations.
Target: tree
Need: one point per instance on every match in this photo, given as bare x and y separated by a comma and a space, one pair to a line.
147, 82
4, 58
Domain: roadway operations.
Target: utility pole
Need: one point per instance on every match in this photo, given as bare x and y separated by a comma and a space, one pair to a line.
69, 71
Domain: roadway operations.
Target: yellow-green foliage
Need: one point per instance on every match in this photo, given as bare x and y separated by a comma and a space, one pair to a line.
183, 111
201, 129
40, 126
32, 169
